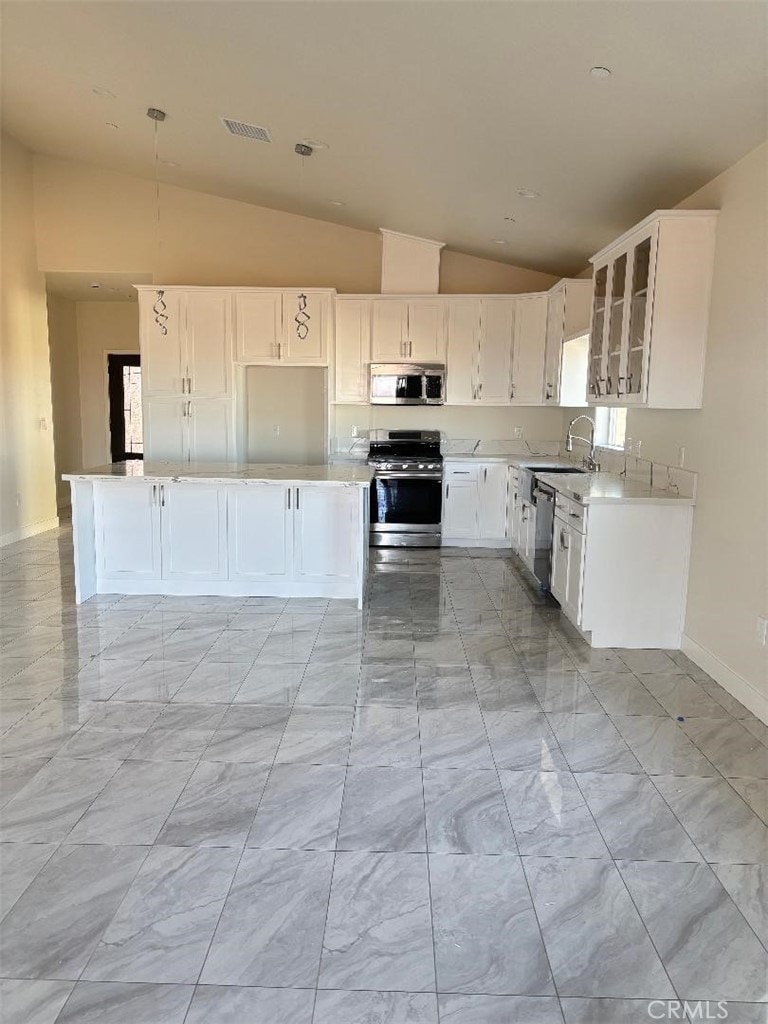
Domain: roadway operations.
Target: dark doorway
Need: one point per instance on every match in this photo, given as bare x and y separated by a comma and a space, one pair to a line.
125, 427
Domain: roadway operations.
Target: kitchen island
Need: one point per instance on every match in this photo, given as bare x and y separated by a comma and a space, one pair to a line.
222, 529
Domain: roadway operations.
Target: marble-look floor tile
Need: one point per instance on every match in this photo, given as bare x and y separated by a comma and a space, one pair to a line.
661, 746
341, 1007
45, 730
648, 662
747, 885
300, 808
620, 1011
328, 651
248, 733
383, 810
237, 645
729, 746
47, 808
156, 681
163, 927
681, 695
591, 743
16, 773
212, 682
271, 929
393, 684
385, 736
596, 942
329, 684
379, 935
54, 926
286, 647
444, 686
503, 690
589, 659
32, 1002
216, 807
221, 1004
466, 812
634, 820
454, 738
707, 948
723, 827
271, 684
523, 740
565, 693
549, 815
317, 735
121, 1003
486, 936
461, 1009
20, 863
622, 693
133, 806
755, 793
180, 733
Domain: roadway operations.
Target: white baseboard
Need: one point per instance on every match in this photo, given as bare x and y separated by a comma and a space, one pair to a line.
736, 685
28, 531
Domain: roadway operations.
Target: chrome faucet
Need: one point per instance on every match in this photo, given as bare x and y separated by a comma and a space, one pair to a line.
589, 461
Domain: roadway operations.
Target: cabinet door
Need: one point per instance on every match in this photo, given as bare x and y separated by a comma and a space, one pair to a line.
595, 371
530, 342
305, 317
426, 331
572, 605
127, 521
559, 576
165, 433
463, 347
527, 533
259, 532
492, 487
554, 347
460, 510
638, 332
259, 320
497, 323
388, 330
162, 361
209, 343
210, 430
515, 510
194, 531
616, 326
325, 533
353, 349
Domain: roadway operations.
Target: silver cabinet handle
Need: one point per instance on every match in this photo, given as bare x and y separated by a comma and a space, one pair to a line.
153, 497
183, 385
162, 495
289, 497
447, 489
297, 499
460, 472
485, 473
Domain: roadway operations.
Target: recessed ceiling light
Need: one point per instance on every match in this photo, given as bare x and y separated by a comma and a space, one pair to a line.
169, 163
100, 90
511, 219
529, 193
314, 144
336, 202
95, 284
600, 72
111, 124
499, 241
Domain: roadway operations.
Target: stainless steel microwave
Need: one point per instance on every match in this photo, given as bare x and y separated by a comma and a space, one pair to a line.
407, 384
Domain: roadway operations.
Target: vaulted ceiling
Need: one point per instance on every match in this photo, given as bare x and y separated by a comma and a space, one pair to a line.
435, 113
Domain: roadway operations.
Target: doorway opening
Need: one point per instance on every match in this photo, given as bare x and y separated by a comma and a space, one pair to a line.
125, 426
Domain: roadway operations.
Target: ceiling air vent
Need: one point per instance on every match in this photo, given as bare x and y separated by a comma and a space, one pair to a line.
246, 131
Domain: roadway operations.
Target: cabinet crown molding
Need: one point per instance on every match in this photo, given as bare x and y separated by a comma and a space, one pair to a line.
652, 218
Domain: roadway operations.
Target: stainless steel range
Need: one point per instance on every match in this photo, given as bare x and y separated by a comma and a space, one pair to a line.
407, 488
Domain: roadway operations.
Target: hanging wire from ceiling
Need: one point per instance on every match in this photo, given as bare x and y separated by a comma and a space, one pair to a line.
302, 318
159, 309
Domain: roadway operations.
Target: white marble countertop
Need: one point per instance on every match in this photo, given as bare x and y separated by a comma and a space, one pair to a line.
512, 460
228, 472
609, 488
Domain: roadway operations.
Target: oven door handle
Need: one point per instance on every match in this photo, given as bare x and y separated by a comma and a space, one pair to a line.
408, 476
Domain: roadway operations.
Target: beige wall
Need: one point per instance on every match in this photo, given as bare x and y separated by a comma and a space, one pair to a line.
27, 489
102, 327
65, 391
488, 424
726, 441
92, 220
286, 409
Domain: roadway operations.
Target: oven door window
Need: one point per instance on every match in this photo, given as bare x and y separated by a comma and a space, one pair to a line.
407, 501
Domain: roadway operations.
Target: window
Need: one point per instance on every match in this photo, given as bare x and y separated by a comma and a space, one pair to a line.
610, 427
125, 426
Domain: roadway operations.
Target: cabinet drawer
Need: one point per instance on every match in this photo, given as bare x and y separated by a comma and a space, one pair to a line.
571, 512
466, 471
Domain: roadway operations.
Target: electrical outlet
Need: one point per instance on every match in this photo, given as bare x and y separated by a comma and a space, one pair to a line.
518, 432
762, 630
681, 456
354, 430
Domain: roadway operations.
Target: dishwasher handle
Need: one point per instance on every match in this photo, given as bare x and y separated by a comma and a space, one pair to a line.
540, 495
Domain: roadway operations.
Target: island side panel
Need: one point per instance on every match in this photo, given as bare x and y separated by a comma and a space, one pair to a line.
84, 539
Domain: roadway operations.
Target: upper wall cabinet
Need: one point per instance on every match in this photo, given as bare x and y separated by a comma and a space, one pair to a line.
529, 346
353, 348
283, 326
568, 309
186, 342
408, 329
650, 312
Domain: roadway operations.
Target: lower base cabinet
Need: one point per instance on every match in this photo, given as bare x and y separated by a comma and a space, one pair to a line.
475, 499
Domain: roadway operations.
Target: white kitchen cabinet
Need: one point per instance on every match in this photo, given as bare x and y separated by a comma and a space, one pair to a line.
209, 343
353, 349
193, 518
426, 331
460, 509
497, 327
408, 329
567, 567
323, 533
189, 429
389, 327
527, 533
493, 494
127, 528
529, 348
568, 317
264, 551
650, 312
513, 510
463, 332
163, 360
282, 326
165, 429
